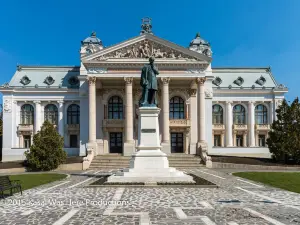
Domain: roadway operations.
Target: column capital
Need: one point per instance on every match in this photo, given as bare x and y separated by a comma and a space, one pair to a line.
92, 80
251, 102
60, 102
128, 80
165, 80
193, 92
229, 102
37, 102
200, 80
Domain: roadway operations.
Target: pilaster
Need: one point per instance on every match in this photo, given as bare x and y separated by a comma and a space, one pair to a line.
251, 122
193, 119
61, 118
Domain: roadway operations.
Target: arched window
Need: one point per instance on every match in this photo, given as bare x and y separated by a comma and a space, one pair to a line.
73, 114
239, 114
115, 108
27, 114
50, 113
176, 108
261, 114
217, 114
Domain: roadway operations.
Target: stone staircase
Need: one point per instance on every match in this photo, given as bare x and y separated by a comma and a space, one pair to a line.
117, 161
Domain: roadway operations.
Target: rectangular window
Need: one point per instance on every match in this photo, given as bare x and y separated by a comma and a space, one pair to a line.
239, 140
27, 141
262, 140
73, 141
217, 140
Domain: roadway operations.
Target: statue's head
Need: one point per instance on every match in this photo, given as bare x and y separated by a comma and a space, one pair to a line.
151, 59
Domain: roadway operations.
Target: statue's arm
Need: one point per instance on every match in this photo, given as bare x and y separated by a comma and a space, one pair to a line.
155, 70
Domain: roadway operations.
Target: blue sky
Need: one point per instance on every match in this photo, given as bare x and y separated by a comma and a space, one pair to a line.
256, 33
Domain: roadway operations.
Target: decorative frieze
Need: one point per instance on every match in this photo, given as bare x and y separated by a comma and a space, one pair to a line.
7, 106
113, 123
208, 93
94, 70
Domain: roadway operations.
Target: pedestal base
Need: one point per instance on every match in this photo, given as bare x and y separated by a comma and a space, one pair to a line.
128, 149
149, 164
166, 148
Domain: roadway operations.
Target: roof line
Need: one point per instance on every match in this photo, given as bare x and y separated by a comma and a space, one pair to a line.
46, 66
220, 68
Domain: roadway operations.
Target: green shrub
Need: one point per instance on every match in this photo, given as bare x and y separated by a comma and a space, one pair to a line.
46, 153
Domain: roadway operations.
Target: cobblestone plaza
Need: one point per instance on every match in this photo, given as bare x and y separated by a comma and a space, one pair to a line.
73, 201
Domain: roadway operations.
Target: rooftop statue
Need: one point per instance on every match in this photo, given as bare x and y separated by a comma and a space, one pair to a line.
149, 84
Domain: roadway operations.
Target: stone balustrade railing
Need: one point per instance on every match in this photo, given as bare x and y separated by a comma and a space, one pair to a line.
179, 123
25, 127
113, 123
240, 127
262, 126
218, 126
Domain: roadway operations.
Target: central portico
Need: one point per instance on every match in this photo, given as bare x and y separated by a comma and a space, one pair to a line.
110, 88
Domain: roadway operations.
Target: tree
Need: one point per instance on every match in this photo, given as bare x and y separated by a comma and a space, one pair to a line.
46, 152
284, 136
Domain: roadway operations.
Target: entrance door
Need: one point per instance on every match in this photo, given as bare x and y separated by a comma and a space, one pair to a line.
177, 142
116, 142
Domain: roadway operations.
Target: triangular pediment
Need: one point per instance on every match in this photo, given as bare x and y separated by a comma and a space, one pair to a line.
141, 48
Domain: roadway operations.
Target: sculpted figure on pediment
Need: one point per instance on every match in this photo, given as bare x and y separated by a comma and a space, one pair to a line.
145, 49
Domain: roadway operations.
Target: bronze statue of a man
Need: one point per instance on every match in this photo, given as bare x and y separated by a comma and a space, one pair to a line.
149, 84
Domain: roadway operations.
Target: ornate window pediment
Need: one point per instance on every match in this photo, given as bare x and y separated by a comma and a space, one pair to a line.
49, 80
25, 80
239, 81
217, 81
261, 81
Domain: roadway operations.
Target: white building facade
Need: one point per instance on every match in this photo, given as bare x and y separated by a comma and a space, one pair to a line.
219, 111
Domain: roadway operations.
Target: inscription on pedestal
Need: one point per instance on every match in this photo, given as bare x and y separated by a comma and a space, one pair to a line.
148, 130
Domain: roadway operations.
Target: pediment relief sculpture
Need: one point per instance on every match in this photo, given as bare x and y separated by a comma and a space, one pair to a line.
145, 49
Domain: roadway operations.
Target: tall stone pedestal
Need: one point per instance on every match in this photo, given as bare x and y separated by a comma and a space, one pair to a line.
149, 163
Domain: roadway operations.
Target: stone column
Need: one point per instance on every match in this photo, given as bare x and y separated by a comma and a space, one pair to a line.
193, 118
92, 113
202, 144
229, 124
128, 110
165, 117
201, 110
245, 139
37, 116
234, 138
251, 123
61, 124
129, 143
222, 139
20, 140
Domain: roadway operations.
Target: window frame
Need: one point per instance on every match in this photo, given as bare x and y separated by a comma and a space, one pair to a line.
27, 116
176, 109
73, 114
217, 117
261, 115
115, 109
51, 115
239, 116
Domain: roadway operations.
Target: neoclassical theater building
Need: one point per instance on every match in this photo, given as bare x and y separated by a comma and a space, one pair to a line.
95, 105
